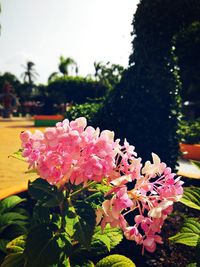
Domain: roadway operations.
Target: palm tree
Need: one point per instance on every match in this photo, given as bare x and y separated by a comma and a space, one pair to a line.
64, 65
30, 73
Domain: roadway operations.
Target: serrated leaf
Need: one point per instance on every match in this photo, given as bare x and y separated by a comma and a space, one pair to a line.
13, 260
16, 245
18, 155
9, 203
47, 194
114, 234
84, 227
115, 261
189, 233
42, 248
104, 239
191, 197
97, 246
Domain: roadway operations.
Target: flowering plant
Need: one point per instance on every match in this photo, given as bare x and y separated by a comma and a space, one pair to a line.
96, 183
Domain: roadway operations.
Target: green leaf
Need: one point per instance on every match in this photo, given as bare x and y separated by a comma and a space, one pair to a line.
189, 233
193, 264
115, 260
10, 218
114, 234
99, 244
3, 243
13, 260
18, 155
47, 194
41, 214
84, 227
95, 199
197, 252
16, 245
84, 264
104, 239
31, 171
42, 248
14, 230
71, 219
9, 203
191, 197
196, 163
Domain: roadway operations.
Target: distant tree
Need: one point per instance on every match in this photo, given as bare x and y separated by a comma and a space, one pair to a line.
11, 78
67, 67
108, 74
30, 74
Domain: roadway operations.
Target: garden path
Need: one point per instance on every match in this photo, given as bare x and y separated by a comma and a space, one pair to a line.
12, 176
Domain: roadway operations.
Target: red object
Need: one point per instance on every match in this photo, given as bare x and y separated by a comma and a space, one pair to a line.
190, 151
49, 117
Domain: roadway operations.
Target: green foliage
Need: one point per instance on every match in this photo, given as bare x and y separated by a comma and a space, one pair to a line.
115, 261
47, 194
13, 260
16, 245
189, 234
74, 89
62, 228
84, 224
87, 110
13, 221
108, 74
145, 107
193, 264
187, 45
43, 246
189, 131
18, 155
196, 163
191, 197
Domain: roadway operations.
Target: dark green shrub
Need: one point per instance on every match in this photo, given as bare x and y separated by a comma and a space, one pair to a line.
87, 110
75, 89
145, 107
189, 132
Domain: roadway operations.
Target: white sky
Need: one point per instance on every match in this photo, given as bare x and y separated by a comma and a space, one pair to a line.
43, 30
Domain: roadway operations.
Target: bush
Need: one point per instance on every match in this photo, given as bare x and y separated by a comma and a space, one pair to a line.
145, 107
189, 131
75, 89
87, 110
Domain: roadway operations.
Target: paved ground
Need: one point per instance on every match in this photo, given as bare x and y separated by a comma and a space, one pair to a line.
12, 171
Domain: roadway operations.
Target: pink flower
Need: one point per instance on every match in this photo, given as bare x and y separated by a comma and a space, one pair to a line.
76, 153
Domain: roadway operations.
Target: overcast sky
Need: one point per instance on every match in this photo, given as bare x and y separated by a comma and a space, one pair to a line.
43, 30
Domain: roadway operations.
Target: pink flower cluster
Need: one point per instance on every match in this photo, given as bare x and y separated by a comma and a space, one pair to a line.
155, 190
73, 152
77, 153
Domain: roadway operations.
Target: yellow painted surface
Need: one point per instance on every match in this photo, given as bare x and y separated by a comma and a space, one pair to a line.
12, 171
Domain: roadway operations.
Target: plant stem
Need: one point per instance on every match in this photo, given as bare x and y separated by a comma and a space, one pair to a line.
82, 189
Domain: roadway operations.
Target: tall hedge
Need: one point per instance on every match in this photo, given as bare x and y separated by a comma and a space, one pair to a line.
75, 89
145, 107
